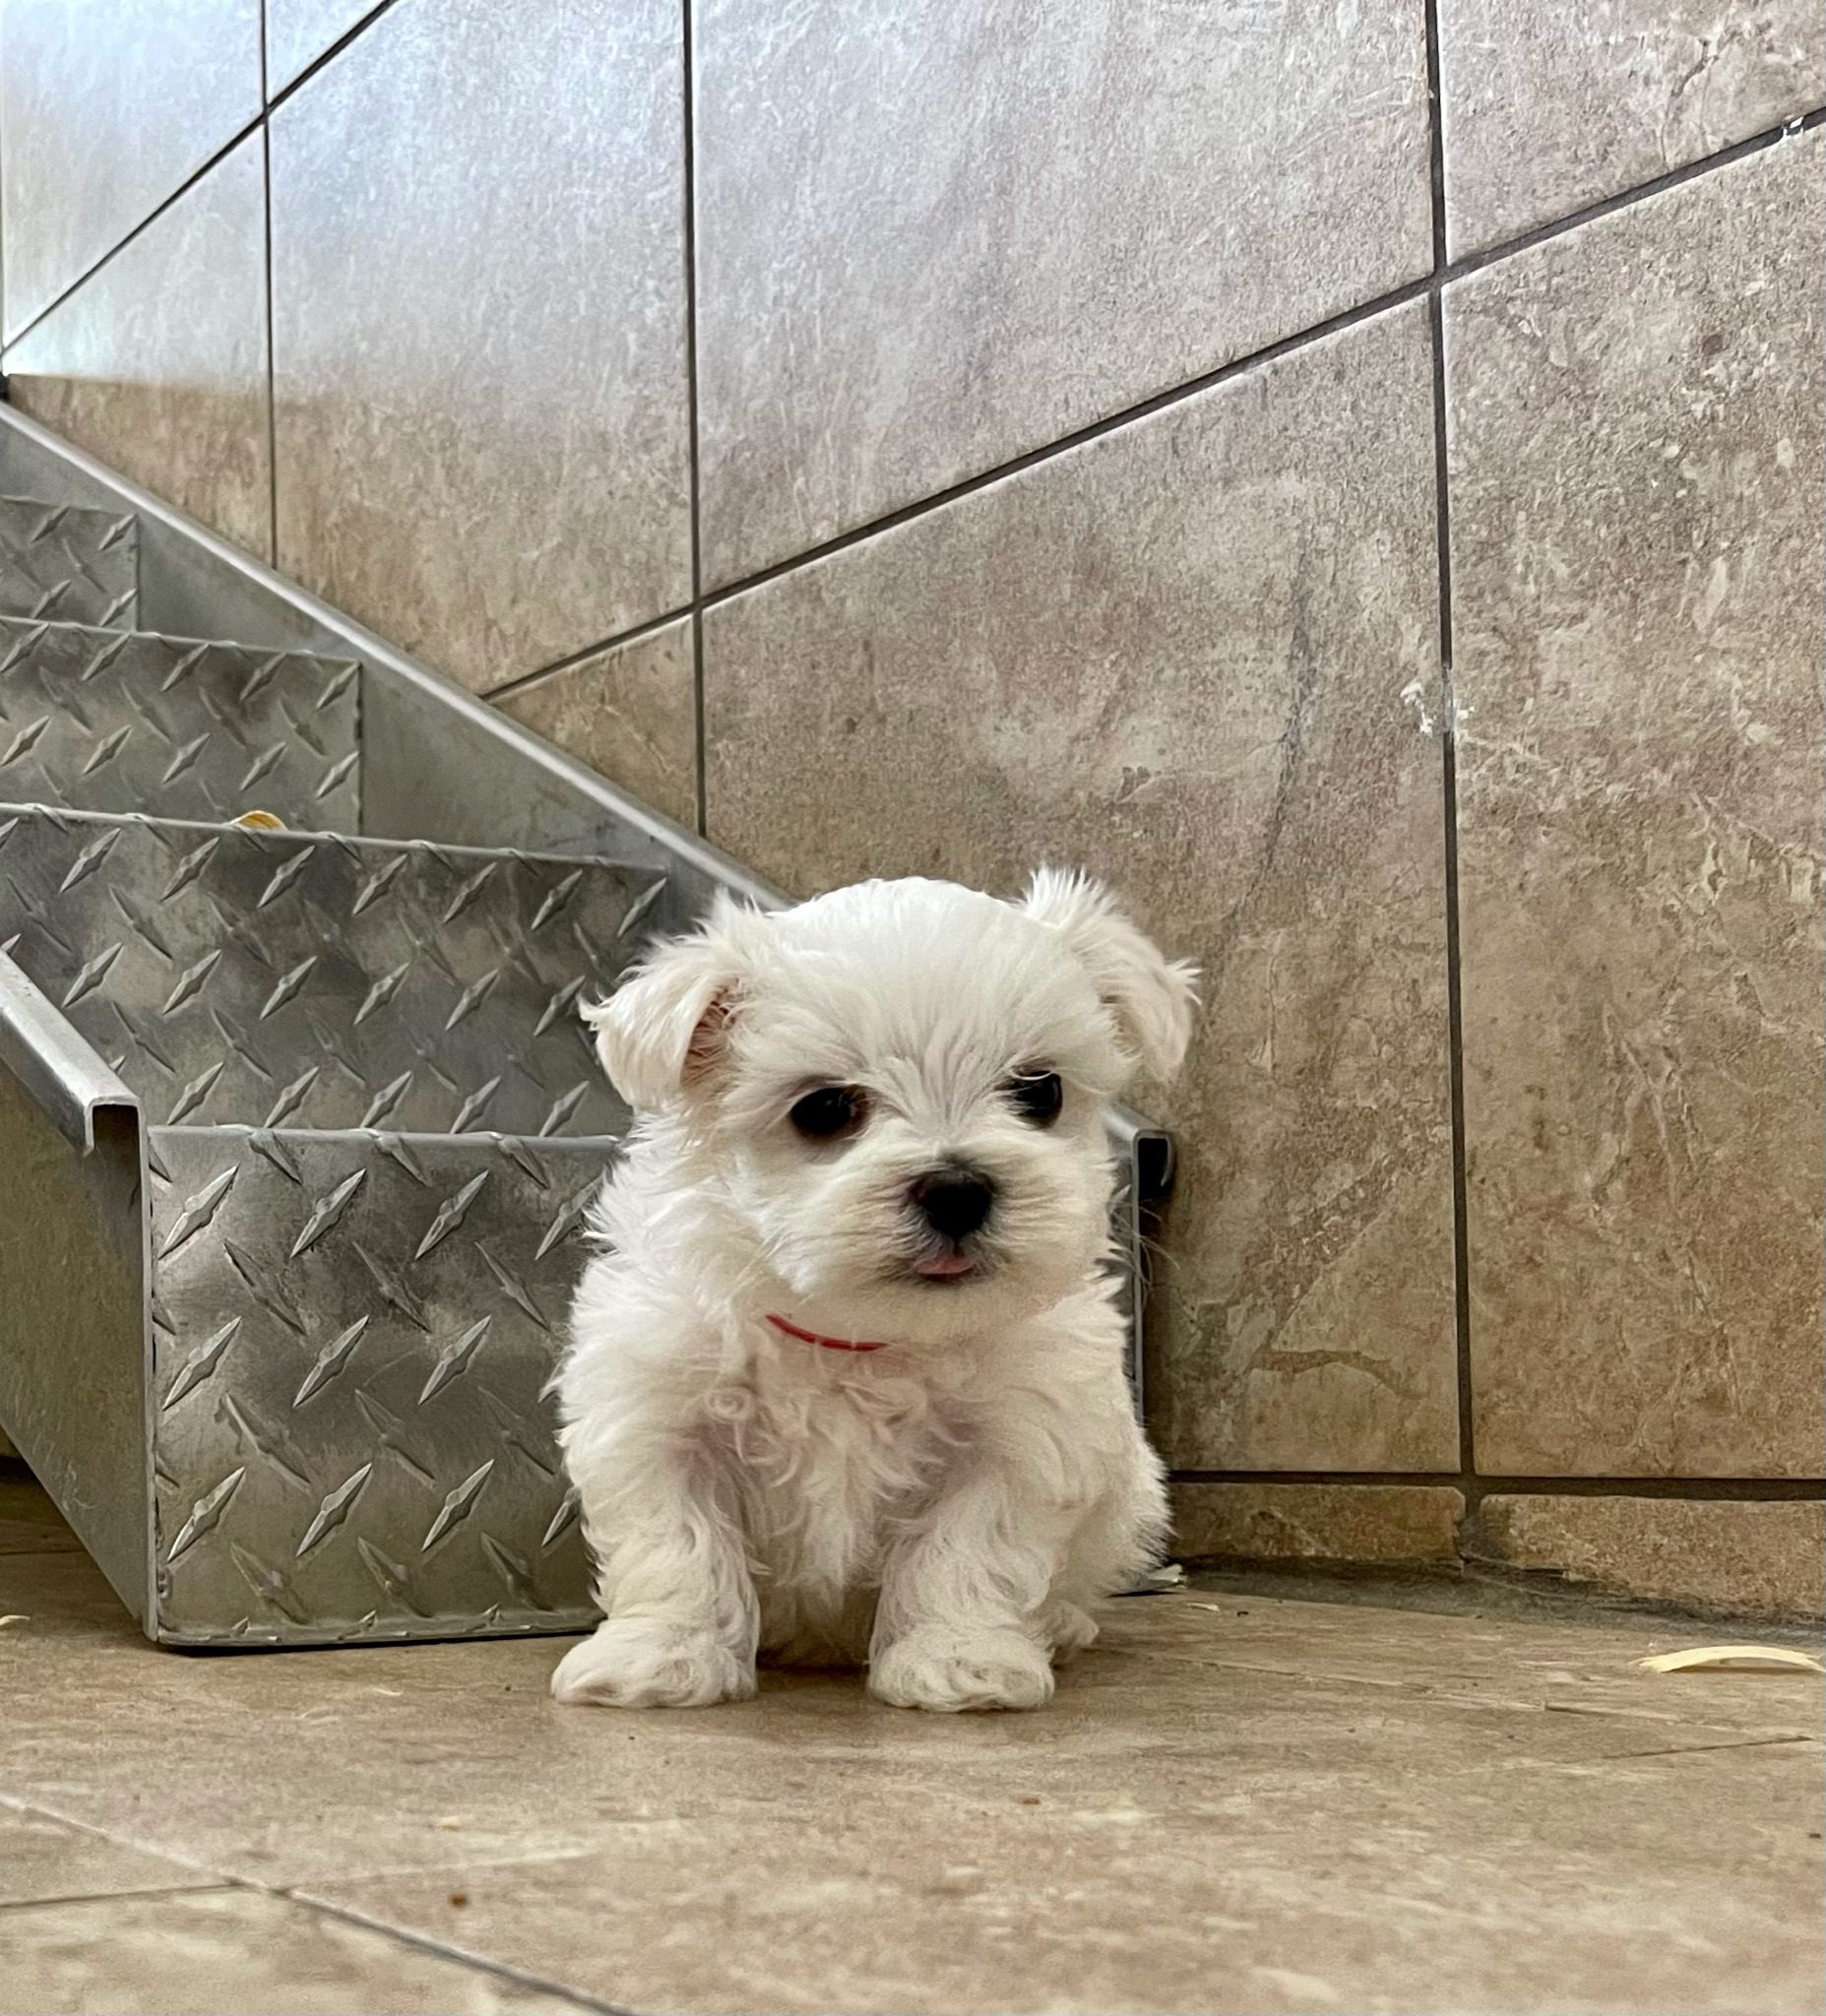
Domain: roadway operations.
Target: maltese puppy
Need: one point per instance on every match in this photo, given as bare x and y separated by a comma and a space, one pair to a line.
845, 1379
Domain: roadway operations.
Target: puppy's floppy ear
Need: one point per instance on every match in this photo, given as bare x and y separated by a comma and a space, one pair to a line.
662, 1030
1151, 997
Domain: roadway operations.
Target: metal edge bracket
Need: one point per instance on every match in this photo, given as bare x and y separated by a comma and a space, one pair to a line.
54, 1063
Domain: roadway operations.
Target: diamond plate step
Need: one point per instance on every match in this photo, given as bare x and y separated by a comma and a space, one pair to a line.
264, 978
325, 1305
76, 566
335, 1301
352, 1338
114, 722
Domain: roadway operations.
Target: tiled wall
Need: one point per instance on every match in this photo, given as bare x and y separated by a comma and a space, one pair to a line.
1353, 475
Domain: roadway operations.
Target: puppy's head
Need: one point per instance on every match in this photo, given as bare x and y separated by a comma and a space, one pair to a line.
901, 1087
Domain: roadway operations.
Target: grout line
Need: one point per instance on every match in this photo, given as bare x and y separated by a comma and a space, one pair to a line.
1078, 437
220, 1880
1455, 976
1436, 133
1428, 286
327, 56
266, 172
573, 659
442, 1949
688, 69
703, 739
1701, 1749
1697, 1489
118, 1896
190, 181
1448, 763
1639, 192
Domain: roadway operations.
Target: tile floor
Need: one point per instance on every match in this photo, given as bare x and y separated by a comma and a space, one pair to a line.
1240, 1801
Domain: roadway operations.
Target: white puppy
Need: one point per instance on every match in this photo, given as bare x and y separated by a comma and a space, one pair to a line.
846, 1382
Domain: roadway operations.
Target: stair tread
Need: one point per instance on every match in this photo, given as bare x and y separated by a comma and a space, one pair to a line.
68, 562
321, 981
122, 721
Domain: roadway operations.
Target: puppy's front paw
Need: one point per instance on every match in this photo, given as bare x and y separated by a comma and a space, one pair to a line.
952, 1671
1069, 1629
633, 1662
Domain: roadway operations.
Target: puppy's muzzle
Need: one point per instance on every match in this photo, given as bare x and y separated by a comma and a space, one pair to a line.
954, 1200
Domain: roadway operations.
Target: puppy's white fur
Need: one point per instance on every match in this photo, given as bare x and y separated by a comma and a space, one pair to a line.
946, 1507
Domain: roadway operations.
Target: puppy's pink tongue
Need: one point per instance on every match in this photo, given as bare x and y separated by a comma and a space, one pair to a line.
947, 1267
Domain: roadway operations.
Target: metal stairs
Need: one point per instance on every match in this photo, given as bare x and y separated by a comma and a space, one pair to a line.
297, 1118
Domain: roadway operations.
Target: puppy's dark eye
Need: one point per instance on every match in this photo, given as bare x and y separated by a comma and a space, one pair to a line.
1037, 1095
831, 1111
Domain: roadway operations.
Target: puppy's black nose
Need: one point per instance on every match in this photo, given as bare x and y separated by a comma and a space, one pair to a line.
954, 1200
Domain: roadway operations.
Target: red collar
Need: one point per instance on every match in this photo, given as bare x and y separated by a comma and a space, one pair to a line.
829, 1342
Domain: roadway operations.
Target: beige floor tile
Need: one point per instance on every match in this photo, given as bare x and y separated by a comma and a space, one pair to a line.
29, 1525
1237, 1801
265, 1767
42, 1859
1518, 1887
1542, 1667
58, 1593
233, 1951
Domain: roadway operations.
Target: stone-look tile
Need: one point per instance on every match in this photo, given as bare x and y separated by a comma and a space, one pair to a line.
104, 109
1196, 655
630, 713
1391, 1525
1208, 1884
1487, 1644
240, 1954
298, 32
157, 363
1636, 473
478, 313
1235, 1801
272, 1769
1550, 105
932, 236
1763, 1559
43, 1858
